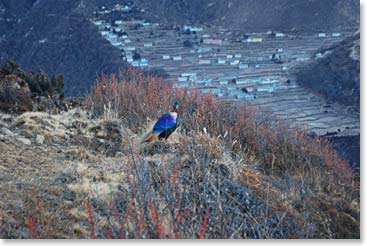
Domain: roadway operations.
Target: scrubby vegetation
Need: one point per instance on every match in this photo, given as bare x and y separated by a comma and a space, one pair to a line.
21, 91
230, 174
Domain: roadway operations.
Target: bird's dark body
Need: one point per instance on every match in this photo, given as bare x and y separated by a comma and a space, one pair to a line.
165, 134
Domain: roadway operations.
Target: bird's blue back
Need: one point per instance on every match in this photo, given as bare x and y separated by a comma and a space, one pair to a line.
165, 122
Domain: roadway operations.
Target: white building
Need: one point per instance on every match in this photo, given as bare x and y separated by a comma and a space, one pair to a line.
302, 58
189, 74
234, 63
166, 57
98, 23
148, 44
241, 81
204, 62
221, 61
192, 28
176, 58
269, 81
143, 63
267, 88
125, 8
249, 89
116, 43
111, 35
214, 41
253, 40
319, 55
130, 48
182, 79
242, 66
321, 35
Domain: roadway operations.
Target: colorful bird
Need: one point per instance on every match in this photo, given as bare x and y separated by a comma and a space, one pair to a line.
165, 125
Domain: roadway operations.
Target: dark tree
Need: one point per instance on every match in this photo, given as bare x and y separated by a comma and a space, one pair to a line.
271, 35
136, 56
187, 43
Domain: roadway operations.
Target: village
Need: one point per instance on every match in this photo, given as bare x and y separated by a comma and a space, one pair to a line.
252, 67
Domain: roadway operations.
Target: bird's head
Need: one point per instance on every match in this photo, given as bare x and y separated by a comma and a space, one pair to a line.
175, 107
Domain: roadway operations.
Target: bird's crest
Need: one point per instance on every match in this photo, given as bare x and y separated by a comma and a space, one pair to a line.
175, 107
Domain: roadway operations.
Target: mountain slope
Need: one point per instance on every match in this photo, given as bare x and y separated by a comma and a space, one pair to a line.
255, 15
56, 37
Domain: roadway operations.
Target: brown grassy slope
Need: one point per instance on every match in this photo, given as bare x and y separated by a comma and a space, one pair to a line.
189, 187
178, 181
239, 178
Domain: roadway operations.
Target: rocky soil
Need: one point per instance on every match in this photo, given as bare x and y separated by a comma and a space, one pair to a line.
47, 162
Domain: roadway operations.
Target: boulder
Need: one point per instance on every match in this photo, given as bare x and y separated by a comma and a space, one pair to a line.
25, 141
7, 132
40, 139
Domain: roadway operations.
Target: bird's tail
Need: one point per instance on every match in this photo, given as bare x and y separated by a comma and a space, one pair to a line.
151, 137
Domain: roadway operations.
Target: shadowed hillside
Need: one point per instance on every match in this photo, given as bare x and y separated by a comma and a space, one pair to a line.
336, 75
56, 36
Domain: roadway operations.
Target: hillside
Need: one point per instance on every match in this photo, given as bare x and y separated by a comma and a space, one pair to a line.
255, 15
85, 172
56, 36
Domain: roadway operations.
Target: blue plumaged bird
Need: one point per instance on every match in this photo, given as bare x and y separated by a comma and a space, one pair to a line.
165, 125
